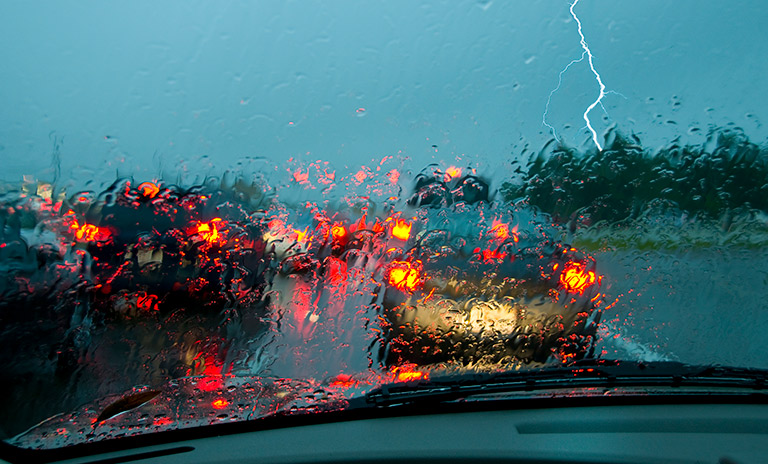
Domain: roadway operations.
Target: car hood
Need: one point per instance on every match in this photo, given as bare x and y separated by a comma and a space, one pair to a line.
194, 403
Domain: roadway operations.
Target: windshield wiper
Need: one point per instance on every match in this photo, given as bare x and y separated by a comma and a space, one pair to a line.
588, 374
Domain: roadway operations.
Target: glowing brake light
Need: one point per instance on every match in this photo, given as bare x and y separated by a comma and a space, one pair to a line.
575, 278
89, 232
410, 375
146, 301
148, 189
500, 230
405, 276
209, 231
401, 229
338, 231
453, 172
220, 403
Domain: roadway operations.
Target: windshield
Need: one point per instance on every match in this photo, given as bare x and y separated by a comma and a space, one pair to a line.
216, 212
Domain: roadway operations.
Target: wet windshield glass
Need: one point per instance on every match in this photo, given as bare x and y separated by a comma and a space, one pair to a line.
213, 213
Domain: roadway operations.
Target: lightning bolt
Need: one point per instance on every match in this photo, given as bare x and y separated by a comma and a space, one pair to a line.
549, 98
599, 101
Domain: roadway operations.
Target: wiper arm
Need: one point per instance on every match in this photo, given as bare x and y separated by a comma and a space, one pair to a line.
587, 374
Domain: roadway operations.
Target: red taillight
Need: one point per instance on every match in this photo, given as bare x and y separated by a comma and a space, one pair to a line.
576, 279
338, 231
219, 403
401, 229
210, 231
148, 189
404, 275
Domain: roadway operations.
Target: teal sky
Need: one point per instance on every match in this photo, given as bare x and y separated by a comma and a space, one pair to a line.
142, 86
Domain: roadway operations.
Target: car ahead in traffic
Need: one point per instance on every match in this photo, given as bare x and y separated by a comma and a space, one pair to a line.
483, 318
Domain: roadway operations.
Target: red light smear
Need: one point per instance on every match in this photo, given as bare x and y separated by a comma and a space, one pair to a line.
431, 292
209, 231
89, 232
377, 226
301, 177
336, 270
301, 301
148, 189
616, 301
401, 229
219, 403
211, 372
394, 176
47, 205
360, 176
344, 381
146, 302
275, 224
161, 421
492, 255
359, 225
453, 172
501, 231
489, 256
405, 276
575, 278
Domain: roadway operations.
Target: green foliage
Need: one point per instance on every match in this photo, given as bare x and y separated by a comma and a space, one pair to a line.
622, 181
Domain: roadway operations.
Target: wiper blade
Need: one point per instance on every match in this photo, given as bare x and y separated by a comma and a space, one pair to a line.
588, 374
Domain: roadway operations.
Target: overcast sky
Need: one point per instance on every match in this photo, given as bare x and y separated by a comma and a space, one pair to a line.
145, 85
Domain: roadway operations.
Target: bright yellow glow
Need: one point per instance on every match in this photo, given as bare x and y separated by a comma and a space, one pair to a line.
404, 275
301, 236
88, 232
453, 172
220, 403
209, 231
575, 278
401, 229
338, 231
409, 376
500, 230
